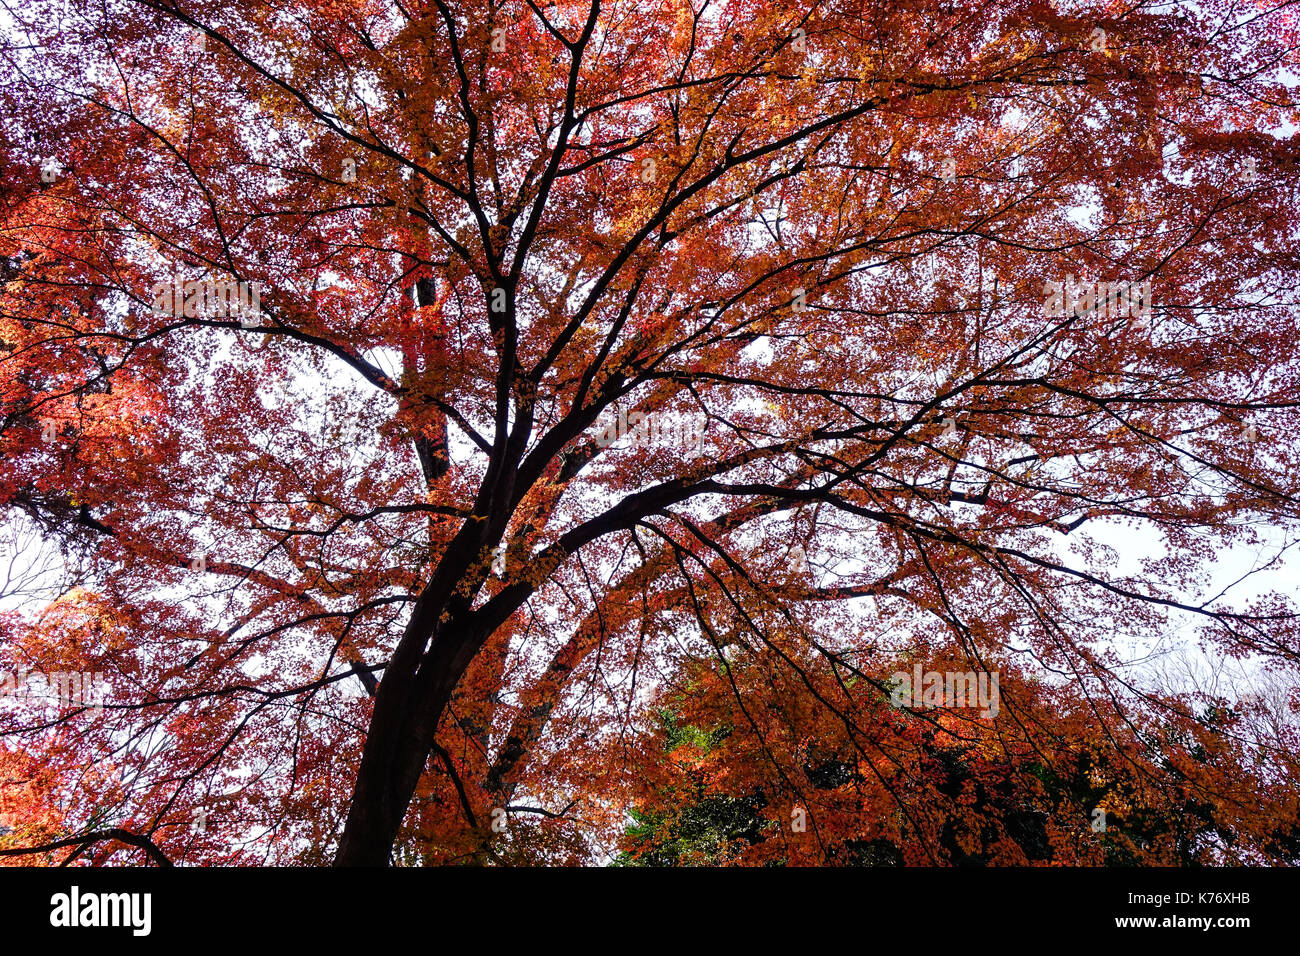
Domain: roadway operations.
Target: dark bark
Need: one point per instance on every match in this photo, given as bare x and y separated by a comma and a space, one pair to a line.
411, 700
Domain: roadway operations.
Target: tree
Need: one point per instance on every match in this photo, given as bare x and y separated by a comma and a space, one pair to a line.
784, 777
404, 382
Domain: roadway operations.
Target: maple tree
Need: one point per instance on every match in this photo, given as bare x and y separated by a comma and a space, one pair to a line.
814, 767
406, 386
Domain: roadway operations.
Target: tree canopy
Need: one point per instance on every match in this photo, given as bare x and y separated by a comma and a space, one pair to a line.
444, 428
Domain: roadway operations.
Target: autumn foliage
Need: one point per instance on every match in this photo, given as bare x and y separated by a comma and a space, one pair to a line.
633, 390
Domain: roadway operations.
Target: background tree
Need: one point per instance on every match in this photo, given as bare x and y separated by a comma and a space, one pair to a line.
783, 777
365, 570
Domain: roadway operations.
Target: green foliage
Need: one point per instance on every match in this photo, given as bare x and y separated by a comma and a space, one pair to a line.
701, 833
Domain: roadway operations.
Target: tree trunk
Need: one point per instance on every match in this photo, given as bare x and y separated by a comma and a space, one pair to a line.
412, 697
